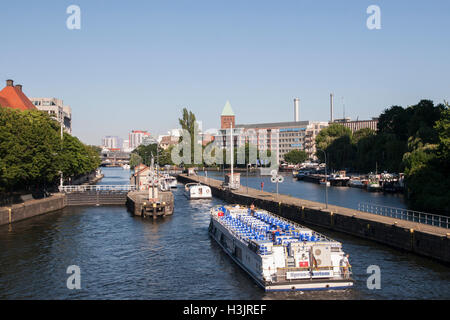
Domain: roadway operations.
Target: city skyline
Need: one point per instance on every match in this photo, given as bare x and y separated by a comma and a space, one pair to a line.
126, 65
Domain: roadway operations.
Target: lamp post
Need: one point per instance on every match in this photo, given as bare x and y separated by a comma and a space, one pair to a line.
247, 176
326, 180
61, 179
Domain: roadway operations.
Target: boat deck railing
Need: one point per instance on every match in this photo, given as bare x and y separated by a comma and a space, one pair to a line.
405, 214
344, 272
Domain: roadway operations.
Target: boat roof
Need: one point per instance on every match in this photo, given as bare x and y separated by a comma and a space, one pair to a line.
243, 210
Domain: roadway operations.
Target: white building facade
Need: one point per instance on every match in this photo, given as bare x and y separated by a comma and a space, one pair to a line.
136, 137
111, 142
56, 109
280, 137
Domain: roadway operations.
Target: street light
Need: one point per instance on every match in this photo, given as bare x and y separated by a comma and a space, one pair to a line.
326, 181
248, 164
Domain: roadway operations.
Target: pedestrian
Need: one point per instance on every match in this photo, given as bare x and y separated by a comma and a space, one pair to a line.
262, 185
252, 209
345, 265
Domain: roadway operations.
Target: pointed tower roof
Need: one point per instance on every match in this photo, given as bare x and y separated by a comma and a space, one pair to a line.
227, 111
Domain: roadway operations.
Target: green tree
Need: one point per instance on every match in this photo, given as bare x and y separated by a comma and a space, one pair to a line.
336, 141
188, 123
426, 164
146, 152
32, 153
296, 156
135, 159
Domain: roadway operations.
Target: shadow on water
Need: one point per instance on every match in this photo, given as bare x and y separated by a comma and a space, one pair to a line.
126, 257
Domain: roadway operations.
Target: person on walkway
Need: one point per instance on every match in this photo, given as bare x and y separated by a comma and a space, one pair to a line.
262, 185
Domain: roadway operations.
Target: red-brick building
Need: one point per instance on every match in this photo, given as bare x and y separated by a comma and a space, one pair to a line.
227, 118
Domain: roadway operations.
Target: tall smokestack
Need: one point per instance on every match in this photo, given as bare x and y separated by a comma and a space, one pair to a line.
331, 108
296, 109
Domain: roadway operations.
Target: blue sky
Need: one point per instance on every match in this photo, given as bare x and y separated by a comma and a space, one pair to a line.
136, 64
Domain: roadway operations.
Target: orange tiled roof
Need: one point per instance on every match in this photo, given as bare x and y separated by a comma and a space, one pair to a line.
13, 97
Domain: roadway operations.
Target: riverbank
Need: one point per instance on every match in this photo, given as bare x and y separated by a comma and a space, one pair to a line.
32, 208
35, 207
421, 239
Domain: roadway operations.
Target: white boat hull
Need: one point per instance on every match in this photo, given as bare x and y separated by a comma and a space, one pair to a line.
198, 191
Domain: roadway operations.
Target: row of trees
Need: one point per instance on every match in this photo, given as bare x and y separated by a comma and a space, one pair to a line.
242, 155
413, 140
32, 154
145, 153
296, 156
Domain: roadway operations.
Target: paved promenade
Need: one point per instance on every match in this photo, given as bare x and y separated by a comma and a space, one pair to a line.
285, 199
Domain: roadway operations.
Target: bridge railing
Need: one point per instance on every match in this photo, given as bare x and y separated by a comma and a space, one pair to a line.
84, 188
405, 214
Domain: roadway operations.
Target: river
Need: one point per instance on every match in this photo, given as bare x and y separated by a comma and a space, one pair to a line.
126, 257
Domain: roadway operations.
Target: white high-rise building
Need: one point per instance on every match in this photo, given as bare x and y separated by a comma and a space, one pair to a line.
111, 142
136, 137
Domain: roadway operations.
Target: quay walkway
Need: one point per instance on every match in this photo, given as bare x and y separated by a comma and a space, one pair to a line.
420, 238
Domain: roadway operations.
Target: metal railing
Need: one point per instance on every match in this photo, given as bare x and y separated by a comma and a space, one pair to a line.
405, 214
84, 188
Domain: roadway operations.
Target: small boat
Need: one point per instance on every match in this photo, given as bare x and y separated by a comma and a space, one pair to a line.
356, 183
171, 181
279, 255
301, 174
339, 179
374, 184
196, 190
325, 182
126, 167
374, 187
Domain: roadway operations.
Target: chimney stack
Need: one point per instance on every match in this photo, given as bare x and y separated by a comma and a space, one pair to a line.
9, 83
296, 109
19, 87
331, 108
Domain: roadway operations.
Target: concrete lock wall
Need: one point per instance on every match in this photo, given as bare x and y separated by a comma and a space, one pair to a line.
436, 246
31, 208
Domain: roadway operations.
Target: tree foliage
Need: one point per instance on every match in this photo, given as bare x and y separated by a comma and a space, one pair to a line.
414, 140
295, 156
144, 153
31, 152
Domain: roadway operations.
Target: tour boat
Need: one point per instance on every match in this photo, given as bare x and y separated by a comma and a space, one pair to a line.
279, 255
197, 191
